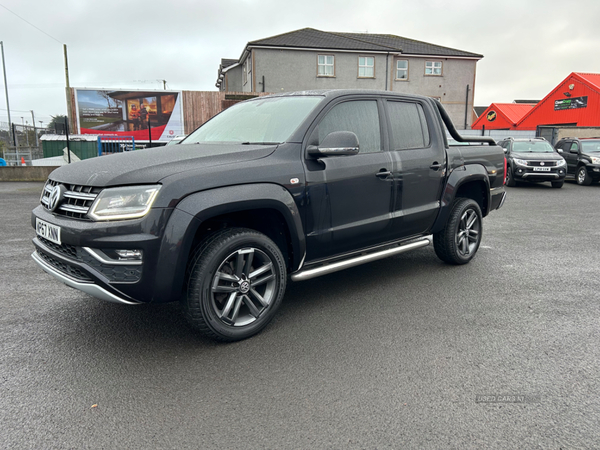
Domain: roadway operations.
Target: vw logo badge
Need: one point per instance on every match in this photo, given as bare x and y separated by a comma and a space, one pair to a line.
55, 197
542, 163
244, 287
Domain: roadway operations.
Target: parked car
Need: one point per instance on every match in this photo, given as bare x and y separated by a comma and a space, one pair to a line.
533, 160
295, 185
583, 159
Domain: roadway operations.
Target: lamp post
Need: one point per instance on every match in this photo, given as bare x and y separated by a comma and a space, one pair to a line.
6, 91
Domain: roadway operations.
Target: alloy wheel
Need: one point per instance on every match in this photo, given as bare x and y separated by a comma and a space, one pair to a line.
243, 287
468, 233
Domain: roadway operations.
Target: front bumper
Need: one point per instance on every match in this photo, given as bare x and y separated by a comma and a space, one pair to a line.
521, 173
88, 287
80, 260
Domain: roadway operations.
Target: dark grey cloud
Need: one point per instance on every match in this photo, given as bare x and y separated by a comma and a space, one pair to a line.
528, 46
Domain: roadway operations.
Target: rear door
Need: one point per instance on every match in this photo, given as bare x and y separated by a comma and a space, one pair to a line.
349, 198
419, 158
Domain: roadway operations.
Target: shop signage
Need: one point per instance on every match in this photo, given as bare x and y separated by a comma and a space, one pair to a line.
570, 103
491, 116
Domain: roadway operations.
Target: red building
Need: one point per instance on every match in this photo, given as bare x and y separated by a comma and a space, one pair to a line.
574, 102
502, 116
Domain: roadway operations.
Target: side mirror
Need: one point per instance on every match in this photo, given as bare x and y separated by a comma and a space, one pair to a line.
559, 150
505, 149
337, 143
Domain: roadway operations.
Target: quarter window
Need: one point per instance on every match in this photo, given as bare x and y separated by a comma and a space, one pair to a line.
433, 68
402, 69
408, 125
366, 67
361, 117
325, 66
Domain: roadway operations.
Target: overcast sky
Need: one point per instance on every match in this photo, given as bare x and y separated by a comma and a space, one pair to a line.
529, 46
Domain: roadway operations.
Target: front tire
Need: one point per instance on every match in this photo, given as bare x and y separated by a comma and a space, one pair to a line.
557, 184
236, 282
459, 241
510, 181
582, 177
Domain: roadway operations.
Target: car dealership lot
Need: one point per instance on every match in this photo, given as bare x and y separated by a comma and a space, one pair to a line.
405, 352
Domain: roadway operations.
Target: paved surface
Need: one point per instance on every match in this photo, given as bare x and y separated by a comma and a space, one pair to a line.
388, 355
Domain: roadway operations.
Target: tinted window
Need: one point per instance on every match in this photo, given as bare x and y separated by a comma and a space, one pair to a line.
409, 127
360, 117
574, 146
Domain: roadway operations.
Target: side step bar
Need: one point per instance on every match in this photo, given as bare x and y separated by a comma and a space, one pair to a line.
358, 260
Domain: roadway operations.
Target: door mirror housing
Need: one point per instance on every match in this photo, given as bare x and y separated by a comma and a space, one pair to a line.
337, 143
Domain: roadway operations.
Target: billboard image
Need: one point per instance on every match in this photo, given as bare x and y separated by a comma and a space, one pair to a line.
130, 113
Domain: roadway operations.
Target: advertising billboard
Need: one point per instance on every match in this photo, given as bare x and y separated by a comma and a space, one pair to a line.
130, 113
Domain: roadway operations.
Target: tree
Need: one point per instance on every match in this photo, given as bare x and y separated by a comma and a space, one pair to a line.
57, 123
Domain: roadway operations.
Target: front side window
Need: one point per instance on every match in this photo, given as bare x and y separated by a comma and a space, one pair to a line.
408, 125
361, 117
574, 147
366, 67
261, 121
402, 69
433, 68
325, 66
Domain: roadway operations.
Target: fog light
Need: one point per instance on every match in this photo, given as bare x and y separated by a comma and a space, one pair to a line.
129, 255
596, 169
520, 170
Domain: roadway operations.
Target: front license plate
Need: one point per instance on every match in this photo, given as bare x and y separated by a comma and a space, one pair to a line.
47, 231
541, 169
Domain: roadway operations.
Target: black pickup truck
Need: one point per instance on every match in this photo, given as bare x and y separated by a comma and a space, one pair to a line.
289, 186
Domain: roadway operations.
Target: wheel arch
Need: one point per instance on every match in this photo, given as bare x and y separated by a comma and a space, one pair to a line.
470, 181
267, 208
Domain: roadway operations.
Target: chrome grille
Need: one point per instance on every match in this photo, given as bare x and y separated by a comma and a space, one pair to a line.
75, 202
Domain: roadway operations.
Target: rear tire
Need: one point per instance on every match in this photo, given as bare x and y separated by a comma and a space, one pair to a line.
459, 241
236, 282
557, 184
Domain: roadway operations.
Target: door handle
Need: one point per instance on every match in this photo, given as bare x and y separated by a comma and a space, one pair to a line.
383, 173
435, 166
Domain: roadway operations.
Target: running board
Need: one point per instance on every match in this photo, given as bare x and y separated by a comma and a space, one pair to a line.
358, 260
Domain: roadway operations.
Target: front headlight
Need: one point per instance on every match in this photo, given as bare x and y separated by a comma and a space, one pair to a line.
520, 162
121, 203
595, 160
560, 163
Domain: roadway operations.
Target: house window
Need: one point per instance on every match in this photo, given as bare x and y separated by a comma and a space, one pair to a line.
433, 68
366, 67
325, 66
402, 69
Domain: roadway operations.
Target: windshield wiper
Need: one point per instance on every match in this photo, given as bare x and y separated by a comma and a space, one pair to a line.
261, 143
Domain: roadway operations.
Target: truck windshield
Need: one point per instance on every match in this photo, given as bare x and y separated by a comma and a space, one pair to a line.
532, 147
261, 121
591, 146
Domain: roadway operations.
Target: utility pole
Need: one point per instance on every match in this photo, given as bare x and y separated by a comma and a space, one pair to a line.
37, 142
6, 88
164, 84
68, 89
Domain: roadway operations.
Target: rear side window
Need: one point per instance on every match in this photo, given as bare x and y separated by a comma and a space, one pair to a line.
409, 126
361, 117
